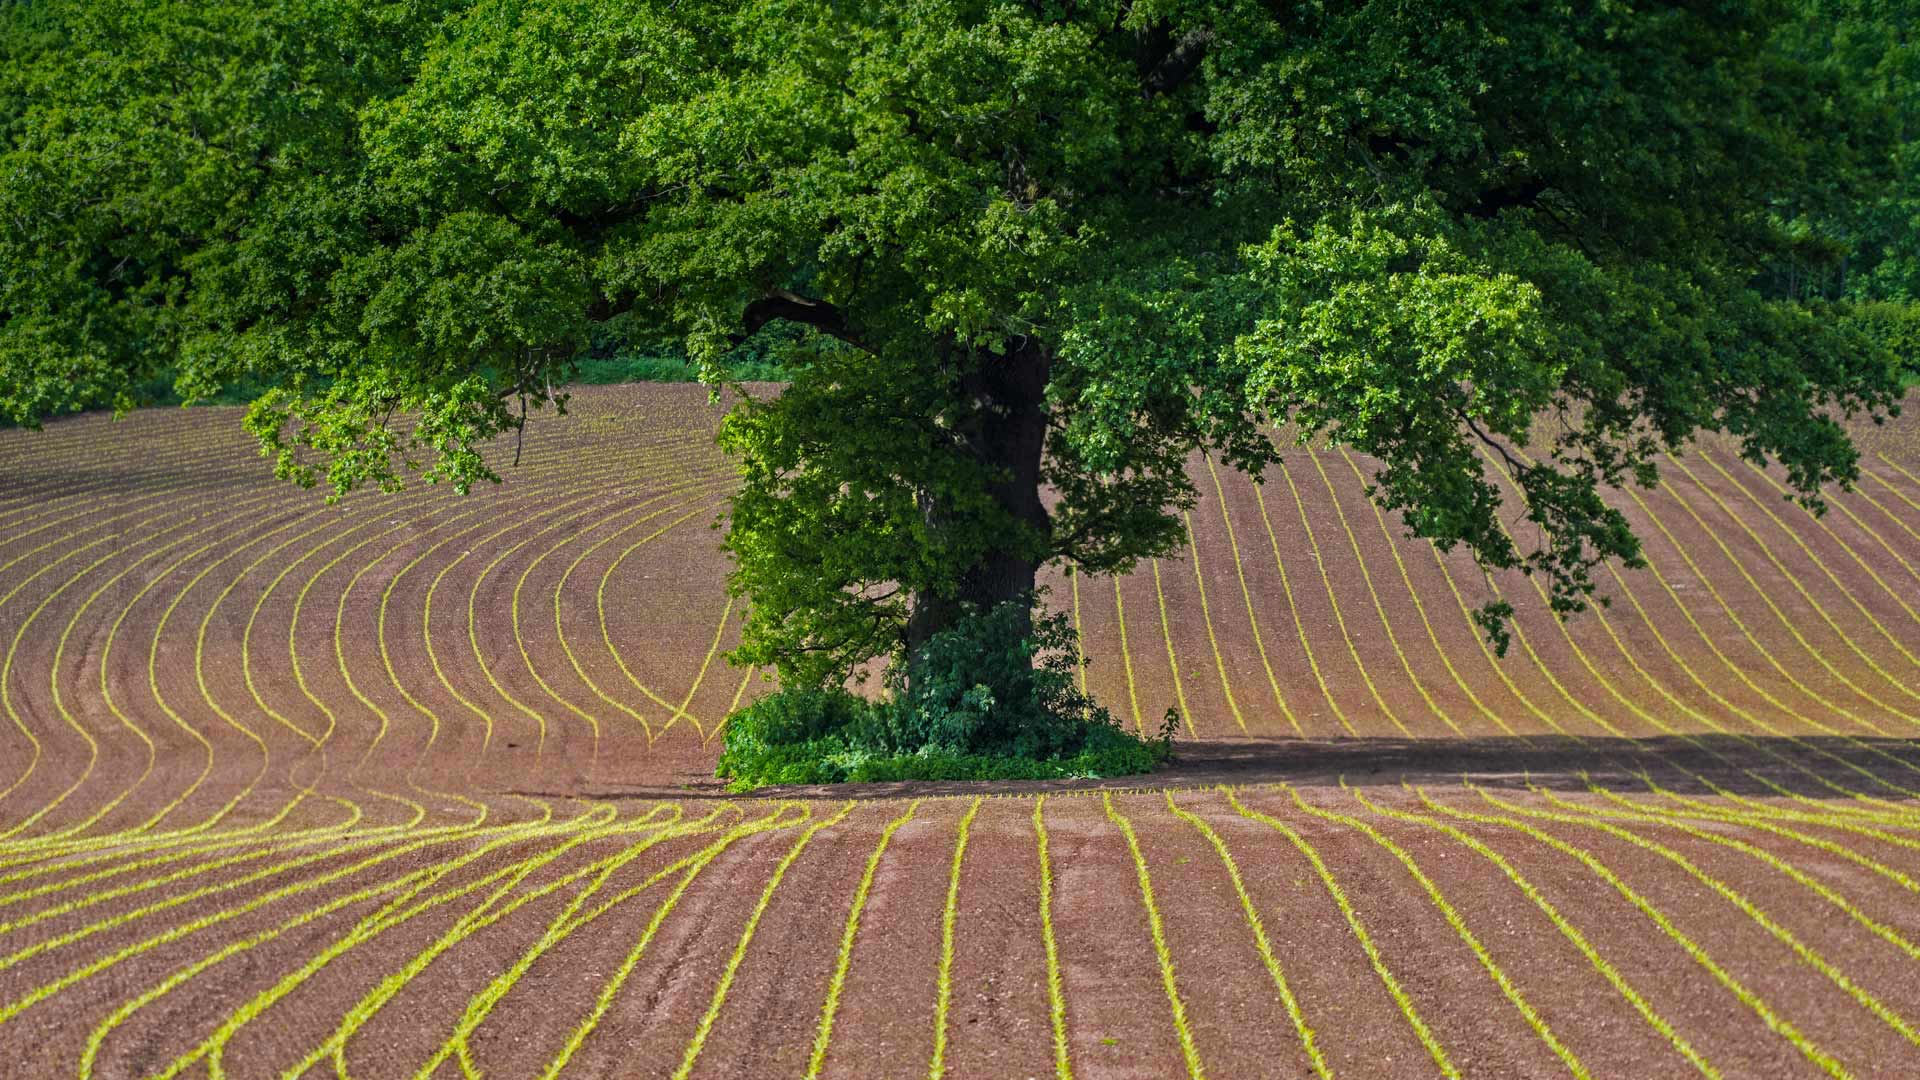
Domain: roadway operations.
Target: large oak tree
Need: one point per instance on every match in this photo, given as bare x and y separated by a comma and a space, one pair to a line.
1038, 254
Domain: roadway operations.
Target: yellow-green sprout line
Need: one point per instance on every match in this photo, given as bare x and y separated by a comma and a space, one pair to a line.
100, 1032
59, 704
559, 629
1173, 662
1079, 645
1775, 1023
1400, 997
1259, 938
619, 979
839, 980
1897, 467
1206, 618
1894, 491
213, 1048
1253, 620
1056, 990
1786, 937
176, 932
1794, 535
1679, 819
700, 676
1793, 580
411, 884
275, 847
1419, 605
937, 1067
613, 650
1187, 1048
1459, 924
733, 706
483, 916
1695, 809
1340, 618
705, 1026
1126, 655
1379, 609
1566, 928
563, 925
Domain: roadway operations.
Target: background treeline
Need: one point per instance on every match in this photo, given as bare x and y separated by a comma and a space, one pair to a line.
610, 359
1872, 46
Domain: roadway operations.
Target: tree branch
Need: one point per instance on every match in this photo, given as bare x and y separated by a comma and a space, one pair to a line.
1177, 66
781, 304
1521, 193
601, 309
1519, 468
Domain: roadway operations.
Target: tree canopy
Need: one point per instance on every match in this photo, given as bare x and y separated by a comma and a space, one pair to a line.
1041, 252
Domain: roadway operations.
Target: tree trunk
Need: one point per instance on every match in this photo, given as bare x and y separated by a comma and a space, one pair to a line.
1007, 429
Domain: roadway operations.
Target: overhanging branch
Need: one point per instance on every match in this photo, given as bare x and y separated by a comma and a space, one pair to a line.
1518, 467
1522, 193
781, 304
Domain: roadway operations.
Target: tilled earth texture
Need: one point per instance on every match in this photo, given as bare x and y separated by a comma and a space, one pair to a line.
419, 785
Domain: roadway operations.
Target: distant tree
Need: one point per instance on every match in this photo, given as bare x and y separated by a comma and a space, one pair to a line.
1039, 246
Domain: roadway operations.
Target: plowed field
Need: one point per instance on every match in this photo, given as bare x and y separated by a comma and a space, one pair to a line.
419, 785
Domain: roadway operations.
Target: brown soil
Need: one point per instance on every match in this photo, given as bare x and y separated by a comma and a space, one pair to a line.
178, 849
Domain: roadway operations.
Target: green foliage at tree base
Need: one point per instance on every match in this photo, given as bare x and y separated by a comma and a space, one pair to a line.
749, 763
989, 698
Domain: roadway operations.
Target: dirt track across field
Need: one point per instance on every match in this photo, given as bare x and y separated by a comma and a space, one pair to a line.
420, 785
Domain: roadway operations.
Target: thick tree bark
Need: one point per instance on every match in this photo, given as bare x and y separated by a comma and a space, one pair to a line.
1007, 430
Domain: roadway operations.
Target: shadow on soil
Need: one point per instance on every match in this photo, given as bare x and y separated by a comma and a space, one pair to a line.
1818, 767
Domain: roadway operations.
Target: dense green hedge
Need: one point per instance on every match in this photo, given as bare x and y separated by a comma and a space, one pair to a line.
667, 367
664, 366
